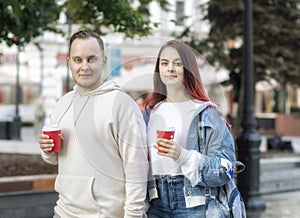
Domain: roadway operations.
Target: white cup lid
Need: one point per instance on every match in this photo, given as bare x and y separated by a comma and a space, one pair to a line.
166, 128
54, 127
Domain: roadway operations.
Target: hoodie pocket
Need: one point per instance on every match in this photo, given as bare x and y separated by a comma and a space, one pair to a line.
76, 194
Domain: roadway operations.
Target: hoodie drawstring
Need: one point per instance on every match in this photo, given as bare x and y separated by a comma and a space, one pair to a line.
86, 101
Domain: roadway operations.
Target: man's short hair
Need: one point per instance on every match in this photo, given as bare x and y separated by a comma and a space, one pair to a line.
83, 34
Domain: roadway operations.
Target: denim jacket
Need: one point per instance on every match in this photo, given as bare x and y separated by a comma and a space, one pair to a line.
204, 173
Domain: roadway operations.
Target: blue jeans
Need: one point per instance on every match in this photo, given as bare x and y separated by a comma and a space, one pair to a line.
170, 202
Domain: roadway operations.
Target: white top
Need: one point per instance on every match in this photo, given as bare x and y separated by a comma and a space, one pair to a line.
169, 114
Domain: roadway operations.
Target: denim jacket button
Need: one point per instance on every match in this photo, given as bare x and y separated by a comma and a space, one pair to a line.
189, 192
192, 135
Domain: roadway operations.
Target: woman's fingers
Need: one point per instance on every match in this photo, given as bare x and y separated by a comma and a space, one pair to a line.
168, 148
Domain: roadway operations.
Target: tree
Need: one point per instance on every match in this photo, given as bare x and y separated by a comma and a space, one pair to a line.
24, 20
276, 37
113, 15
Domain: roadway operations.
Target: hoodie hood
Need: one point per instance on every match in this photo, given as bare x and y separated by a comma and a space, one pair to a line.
104, 88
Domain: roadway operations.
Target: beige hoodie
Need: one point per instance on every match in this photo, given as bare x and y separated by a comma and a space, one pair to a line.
102, 168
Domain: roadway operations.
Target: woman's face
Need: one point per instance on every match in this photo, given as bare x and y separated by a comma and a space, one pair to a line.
170, 67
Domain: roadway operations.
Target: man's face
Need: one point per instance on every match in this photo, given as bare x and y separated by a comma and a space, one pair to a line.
86, 63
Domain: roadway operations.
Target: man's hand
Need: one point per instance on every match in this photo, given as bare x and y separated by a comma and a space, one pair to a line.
46, 144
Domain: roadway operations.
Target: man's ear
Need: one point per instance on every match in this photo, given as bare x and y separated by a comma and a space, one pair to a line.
104, 60
68, 62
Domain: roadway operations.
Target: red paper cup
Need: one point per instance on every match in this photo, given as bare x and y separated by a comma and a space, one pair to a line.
166, 133
54, 132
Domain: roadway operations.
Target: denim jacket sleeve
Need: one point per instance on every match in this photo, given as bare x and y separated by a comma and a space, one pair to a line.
209, 169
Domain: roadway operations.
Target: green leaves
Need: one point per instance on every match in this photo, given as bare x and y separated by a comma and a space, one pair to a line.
276, 36
24, 20
111, 16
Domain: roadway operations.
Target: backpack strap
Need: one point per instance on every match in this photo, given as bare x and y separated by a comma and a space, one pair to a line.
201, 135
232, 196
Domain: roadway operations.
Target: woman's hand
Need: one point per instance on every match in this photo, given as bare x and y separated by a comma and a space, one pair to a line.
168, 148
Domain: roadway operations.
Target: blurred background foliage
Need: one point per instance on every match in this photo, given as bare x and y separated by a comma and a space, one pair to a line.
276, 37
276, 29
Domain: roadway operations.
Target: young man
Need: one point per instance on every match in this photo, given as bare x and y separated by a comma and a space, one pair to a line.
102, 167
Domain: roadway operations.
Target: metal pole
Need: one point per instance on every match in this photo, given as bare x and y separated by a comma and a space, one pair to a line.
249, 140
41, 67
69, 21
42, 70
15, 126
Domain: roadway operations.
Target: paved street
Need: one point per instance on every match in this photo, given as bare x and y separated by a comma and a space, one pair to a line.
282, 205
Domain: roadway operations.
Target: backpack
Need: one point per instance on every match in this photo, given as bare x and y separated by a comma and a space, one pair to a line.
229, 197
231, 201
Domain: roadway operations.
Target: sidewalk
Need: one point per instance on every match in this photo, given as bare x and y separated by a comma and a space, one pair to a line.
279, 205
282, 205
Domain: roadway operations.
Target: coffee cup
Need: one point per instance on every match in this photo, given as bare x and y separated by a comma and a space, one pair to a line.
166, 133
54, 133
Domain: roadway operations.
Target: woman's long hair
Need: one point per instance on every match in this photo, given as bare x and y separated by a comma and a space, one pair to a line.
192, 80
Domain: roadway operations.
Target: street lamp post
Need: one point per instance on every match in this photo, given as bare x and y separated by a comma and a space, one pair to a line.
42, 68
15, 128
69, 22
249, 140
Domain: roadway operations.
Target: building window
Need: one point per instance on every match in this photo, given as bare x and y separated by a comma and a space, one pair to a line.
180, 13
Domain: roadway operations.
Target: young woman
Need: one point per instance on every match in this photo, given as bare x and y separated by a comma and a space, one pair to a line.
184, 181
